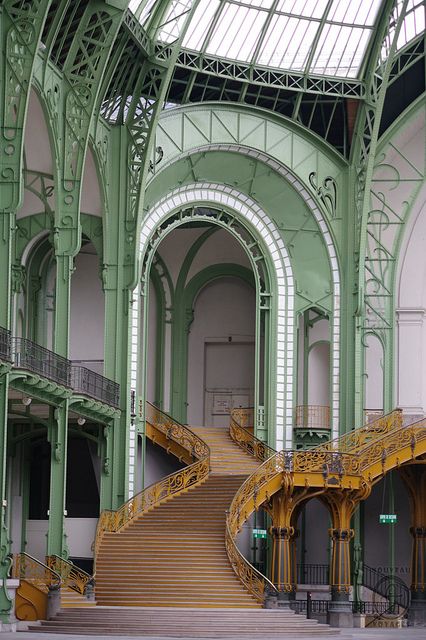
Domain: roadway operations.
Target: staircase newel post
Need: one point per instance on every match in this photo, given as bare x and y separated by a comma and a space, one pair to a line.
414, 478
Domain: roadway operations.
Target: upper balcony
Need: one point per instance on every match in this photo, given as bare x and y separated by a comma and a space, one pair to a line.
30, 356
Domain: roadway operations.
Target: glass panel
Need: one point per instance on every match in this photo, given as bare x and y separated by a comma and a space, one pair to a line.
200, 24
281, 33
340, 51
237, 32
287, 43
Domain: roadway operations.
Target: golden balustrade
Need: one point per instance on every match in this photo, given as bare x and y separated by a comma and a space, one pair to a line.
354, 441
244, 417
312, 417
244, 438
385, 453
173, 484
365, 454
252, 493
72, 577
32, 570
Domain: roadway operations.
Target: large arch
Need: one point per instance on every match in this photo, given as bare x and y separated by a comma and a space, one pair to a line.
256, 221
297, 179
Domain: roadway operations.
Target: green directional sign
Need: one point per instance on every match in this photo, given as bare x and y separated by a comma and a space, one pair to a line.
387, 518
260, 533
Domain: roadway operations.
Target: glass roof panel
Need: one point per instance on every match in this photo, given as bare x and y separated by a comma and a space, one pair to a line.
287, 43
236, 32
324, 37
414, 22
340, 51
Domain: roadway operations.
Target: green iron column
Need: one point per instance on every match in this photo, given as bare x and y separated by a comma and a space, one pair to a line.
57, 435
21, 25
5, 560
118, 269
86, 56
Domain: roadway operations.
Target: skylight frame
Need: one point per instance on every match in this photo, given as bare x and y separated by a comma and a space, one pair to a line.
306, 50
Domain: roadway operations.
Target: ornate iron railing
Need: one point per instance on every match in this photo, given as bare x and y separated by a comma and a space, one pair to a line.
356, 440
72, 577
380, 449
31, 356
244, 417
313, 574
244, 438
94, 385
5, 344
312, 417
26, 354
42, 576
247, 498
173, 484
316, 606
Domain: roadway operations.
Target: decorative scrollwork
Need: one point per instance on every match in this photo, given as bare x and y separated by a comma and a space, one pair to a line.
327, 192
173, 484
72, 577
241, 421
34, 571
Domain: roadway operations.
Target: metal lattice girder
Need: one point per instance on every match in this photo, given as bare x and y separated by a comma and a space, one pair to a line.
138, 33
271, 77
407, 57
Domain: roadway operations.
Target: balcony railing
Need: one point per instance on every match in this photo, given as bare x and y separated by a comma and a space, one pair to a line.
29, 355
313, 574
5, 344
94, 385
26, 354
312, 417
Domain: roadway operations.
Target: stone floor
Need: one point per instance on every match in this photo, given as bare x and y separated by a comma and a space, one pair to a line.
347, 634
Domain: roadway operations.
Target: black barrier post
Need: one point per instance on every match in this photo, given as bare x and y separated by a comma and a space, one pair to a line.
308, 605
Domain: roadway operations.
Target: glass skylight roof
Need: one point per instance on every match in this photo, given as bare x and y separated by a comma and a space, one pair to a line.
319, 37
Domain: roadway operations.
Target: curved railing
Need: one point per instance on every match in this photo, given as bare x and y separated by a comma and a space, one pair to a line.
173, 484
252, 493
354, 441
411, 437
241, 420
72, 577
42, 576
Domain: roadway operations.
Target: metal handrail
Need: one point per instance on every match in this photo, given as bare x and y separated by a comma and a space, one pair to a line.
26, 567
313, 574
72, 576
26, 354
256, 583
247, 441
312, 417
356, 440
37, 359
94, 385
158, 492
